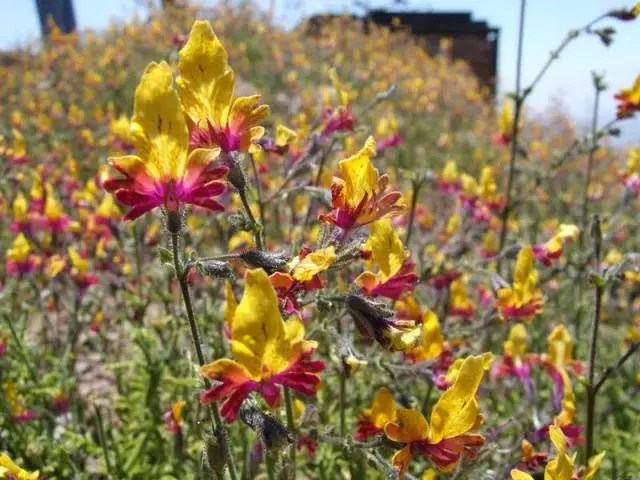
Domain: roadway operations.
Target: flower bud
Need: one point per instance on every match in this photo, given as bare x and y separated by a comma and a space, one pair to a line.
377, 321
217, 269
236, 176
273, 434
270, 262
214, 456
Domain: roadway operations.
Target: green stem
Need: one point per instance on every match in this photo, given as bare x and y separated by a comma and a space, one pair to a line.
590, 161
412, 213
316, 181
257, 228
103, 442
20, 349
271, 465
343, 401
256, 179
519, 100
291, 426
591, 385
426, 399
216, 420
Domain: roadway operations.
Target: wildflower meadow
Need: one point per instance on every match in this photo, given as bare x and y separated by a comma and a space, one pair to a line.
232, 250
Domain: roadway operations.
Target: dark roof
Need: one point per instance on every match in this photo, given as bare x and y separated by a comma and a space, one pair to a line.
429, 22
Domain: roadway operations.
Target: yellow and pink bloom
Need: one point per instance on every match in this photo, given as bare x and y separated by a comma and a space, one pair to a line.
358, 192
165, 174
269, 353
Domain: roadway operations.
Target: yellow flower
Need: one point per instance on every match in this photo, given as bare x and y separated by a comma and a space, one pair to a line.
312, 264
432, 344
20, 208
460, 303
524, 299
20, 249
505, 124
268, 352
516, 345
164, 173
395, 275
206, 85
373, 420
358, 192
55, 265
560, 467
552, 248
448, 436
453, 225
80, 265
284, 135
342, 95
9, 470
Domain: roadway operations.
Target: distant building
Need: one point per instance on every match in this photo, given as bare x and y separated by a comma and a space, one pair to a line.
473, 41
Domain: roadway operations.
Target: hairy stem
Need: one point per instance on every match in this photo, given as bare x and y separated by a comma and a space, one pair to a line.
256, 179
343, 401
216, 420
592, 153
417, 185
591, 385
291, 426
257, 228
519, 100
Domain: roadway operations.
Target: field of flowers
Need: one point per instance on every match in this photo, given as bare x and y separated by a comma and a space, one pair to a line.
258, 253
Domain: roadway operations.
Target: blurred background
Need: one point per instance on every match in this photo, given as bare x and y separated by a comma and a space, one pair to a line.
568, 84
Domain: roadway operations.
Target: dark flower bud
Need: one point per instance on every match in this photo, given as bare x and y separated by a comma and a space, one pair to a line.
377, 321
174, 221
270, 262
624, 14
214, 456
236, 176
240, 222
272, 432
217, 269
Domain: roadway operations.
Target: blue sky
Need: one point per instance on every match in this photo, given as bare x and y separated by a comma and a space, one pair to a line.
547, 22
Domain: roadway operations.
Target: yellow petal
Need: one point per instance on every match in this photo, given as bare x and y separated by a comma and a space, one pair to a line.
359, 175
206, 81
520, 475
158, 126
230, 304
383, 408
314, 263
560, 346
77, 261
409, 426
594, 465
387, 249
284, 135
516, 344
258, 331
524, 265
432, 340
20, 249
456, 412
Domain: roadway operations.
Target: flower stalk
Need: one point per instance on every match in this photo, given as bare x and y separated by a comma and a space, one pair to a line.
216, 420
592, 387
518, 103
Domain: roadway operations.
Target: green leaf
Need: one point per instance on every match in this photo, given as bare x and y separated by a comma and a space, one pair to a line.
166, 256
